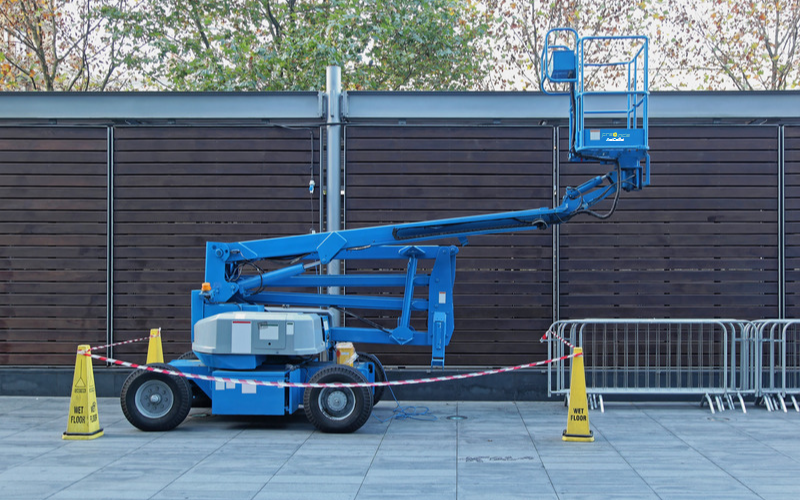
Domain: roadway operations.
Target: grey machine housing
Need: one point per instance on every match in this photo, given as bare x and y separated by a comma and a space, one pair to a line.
238, 340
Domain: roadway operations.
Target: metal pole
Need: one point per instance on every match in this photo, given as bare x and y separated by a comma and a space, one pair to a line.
781, 222
556, 257
110, 240
334, 186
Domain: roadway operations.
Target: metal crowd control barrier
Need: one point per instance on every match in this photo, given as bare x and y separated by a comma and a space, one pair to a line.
777, 369
710, 358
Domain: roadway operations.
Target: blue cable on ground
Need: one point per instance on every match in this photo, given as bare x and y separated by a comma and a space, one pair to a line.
406, 412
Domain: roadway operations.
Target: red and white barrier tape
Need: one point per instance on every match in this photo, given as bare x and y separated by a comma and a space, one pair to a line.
332, 384
119, 343
554, 334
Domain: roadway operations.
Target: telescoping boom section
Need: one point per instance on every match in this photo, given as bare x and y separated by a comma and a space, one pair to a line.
624, 147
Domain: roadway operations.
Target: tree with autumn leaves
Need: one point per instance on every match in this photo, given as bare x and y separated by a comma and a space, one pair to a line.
380, 44
60, 45
521, 26
703, 44
726, 44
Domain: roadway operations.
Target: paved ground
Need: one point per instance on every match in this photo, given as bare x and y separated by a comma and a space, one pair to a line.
498, 451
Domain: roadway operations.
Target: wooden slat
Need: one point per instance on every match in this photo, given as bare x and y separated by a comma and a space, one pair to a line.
51, 156
134, 134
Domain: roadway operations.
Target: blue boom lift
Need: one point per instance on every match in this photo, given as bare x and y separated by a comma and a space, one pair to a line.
259, 327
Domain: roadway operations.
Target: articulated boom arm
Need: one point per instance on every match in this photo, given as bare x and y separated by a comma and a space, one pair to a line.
231, 291
227, 288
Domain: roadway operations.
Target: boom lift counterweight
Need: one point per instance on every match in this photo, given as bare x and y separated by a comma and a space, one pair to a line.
260, 327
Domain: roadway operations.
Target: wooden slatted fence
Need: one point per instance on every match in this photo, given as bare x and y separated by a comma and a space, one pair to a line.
702, 241
53, 184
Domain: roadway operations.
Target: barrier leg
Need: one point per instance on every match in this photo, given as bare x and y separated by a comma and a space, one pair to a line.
741, 402
710, 403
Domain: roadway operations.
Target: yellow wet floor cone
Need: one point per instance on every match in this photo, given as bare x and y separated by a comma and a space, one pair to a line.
84, 422
578, 418
155, 354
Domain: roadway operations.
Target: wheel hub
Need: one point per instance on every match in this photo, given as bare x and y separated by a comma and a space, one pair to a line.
154, 399
337, 401
337, 404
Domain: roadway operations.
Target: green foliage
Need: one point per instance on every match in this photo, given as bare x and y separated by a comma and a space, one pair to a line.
258, 45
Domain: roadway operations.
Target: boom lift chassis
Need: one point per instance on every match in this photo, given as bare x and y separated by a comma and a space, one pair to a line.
243, 325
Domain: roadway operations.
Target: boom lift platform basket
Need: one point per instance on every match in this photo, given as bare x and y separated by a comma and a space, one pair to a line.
259, 327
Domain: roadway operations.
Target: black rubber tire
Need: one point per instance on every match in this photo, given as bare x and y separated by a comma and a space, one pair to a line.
380, 375
154, 401
334, 409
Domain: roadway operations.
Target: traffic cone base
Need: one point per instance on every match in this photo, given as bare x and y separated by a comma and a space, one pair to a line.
78, 436
84, 422
580, 438
578, 418
155, 353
